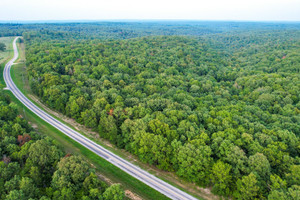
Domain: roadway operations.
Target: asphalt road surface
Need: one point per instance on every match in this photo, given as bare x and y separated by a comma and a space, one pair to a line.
140, 174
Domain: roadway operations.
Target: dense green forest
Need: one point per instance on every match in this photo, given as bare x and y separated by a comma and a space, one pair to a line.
216, 103
33, 166
124, 30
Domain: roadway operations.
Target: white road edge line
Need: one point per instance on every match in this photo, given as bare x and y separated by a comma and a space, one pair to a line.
135, 171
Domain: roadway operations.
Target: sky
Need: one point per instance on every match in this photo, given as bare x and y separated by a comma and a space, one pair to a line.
236, 10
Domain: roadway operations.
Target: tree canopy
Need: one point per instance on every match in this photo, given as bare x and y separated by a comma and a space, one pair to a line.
32, 166
2, 46
217, 103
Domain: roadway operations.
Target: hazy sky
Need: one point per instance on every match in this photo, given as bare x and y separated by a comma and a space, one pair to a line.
253, 10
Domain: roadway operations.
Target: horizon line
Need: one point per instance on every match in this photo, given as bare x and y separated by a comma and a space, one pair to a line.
145, 20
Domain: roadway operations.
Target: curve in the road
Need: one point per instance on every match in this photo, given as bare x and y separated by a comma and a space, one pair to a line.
140, 174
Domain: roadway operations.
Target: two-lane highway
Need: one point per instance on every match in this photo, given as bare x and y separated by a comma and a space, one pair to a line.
138, 173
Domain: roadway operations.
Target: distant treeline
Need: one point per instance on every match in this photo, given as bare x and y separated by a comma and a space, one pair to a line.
125, 30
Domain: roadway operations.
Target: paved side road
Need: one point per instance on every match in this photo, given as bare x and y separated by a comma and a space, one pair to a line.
140, 174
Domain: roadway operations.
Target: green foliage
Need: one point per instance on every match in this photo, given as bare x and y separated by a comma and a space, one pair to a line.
43, 154
247, 187
28, 187
114, 192
290, 194
194, 163
15, 195
277, 182
220, 110
221, 178
70, 173
293, 177
2, 46
33, 167
259, 165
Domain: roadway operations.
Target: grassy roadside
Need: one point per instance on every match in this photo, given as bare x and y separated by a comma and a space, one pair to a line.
113, 173
102, 166
19, 76
4, 55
